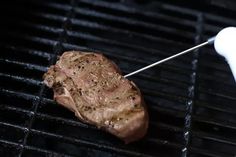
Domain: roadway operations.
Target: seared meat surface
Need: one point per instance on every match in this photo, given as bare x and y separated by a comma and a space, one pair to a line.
93, 88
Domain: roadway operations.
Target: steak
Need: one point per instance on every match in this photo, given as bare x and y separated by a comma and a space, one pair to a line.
93, 88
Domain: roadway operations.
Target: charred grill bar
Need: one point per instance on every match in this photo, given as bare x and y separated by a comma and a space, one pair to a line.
191, 99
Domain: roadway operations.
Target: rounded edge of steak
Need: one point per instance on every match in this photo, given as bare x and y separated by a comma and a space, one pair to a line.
92, 86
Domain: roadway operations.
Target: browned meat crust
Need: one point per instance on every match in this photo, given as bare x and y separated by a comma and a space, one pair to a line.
92, 86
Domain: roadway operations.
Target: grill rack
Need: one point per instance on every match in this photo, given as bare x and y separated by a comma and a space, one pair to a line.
190, 99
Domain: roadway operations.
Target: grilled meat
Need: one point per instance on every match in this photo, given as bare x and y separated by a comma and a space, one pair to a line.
93, 88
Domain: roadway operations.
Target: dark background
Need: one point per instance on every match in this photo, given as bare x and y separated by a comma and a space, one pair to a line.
191, 100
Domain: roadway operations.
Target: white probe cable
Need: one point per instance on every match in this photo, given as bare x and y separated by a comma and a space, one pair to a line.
225, 45
209, 41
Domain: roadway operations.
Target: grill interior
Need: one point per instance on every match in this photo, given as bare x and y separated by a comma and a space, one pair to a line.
191, 100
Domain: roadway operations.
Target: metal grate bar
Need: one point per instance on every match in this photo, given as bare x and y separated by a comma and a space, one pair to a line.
148, 50
25, 65
46, 152
57, 17
219, 95
217, 139
33, 148
125, 8
216, 108
131, 11
219, 19
207, 153
9, 143
20, 94
35, 106
65, 121
98, 27
97, 39
32, 38
29, 51
159, 16
15, 109
57, 47
13, 126
192, 90
50, 28
167, 126
133, 22
80, 124
208, 120
21, 79
96, 145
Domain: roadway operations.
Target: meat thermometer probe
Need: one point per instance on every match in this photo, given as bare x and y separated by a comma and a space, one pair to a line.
224, 43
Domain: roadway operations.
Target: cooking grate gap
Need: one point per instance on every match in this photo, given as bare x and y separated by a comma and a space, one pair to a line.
137, 26
148, 17
210, 98
10, 93
225, 108
151, 47
220, 149
219, 20
152, 42
11, 83
9, 149
51, 20
43, 7
17, 69
75, 36
28, 14
10, 99
122, 34
160, 7
25, 55
24, 80
26, 50
171, 90
218, 116
49, 123
195, 152
159, 19
212, 78
215, 138
14, 117
212, 121
54, 138
39, 32
14, 109
30, 151
225, 92
11, 132
42, 31
215, 130
165, 102
16, 39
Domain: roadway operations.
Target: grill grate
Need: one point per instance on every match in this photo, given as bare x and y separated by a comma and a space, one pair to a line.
190, 99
